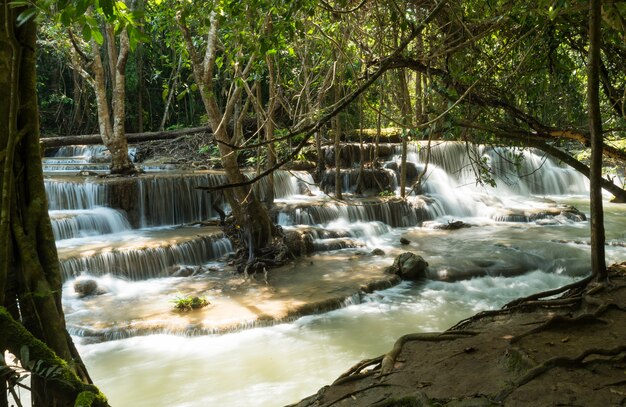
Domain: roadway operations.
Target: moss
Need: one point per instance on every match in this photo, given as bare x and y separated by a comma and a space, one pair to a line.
85, 399
66, 381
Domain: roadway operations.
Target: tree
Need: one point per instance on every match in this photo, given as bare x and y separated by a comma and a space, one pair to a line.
598, 259
253, 230
88, 61
31, 316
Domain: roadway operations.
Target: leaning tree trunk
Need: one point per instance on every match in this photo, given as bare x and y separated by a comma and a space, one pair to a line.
598, 260
30, 279
254, 227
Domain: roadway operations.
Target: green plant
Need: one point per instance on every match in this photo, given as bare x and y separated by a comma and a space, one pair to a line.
188, 302
386, 193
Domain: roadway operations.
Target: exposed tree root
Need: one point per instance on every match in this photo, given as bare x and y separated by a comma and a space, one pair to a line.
355, 371
384, 364
389, 359
245, 259
559, 361
570, 287
560, 320
354, 393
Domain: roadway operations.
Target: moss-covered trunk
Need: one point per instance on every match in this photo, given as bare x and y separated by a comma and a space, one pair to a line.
29, 266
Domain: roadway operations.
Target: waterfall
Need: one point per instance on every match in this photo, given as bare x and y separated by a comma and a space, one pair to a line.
69, 224
521, 171
74, 194
176, 199
395, 213
149, 259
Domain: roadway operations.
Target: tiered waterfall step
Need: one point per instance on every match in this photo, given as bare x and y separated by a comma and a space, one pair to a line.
142, 254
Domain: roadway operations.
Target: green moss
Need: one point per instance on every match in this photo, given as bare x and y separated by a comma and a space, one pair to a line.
85, 399
65, 379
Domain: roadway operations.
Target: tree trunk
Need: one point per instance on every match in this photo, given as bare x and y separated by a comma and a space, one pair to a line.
270, 124
29, 267
255, 228
337, 135
598, 260
405, 109
112, 129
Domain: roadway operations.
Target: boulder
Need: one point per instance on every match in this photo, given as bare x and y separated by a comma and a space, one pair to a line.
378, 252
404, 241
409, 266
86, 287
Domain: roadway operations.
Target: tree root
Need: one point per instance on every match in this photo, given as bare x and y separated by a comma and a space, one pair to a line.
353, 393
355, 371
389, 359
534, 297
559, 361
384, 364
559, 320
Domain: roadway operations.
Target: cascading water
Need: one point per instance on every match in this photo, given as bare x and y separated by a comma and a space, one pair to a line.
140, 261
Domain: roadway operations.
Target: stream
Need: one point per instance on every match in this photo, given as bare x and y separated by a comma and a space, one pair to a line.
522, 240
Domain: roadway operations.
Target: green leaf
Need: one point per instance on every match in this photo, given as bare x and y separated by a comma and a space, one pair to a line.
19, 3
24, 355
97, 36
107, 8
182, 94
86, 33
26, 15
81, 7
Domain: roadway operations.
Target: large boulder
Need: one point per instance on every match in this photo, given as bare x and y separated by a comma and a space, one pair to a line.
409, 266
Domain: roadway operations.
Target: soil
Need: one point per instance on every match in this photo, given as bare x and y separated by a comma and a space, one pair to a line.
565, 351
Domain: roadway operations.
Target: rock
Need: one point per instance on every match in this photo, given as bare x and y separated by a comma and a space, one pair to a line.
454, 225
299, 244
404, 241
86, 287
409, 266
377, 252
573, 214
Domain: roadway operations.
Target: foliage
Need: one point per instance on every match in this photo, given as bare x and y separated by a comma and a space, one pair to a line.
188, 302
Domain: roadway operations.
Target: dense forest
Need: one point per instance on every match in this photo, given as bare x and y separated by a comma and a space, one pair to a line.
274, 82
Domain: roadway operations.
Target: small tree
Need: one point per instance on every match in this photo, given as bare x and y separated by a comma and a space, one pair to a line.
598, 260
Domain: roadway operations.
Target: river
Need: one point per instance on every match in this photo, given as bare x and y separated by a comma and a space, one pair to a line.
498, 259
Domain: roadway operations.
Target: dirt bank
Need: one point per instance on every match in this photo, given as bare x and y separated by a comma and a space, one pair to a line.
569, 351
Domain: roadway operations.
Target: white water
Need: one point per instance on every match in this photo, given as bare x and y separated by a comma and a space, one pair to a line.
277, 365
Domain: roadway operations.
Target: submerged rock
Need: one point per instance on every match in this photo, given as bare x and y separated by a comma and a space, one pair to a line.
404, 241
409, 266
86, 287
377, 252
454, 225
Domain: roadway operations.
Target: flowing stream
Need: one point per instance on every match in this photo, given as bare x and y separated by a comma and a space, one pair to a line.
522, 240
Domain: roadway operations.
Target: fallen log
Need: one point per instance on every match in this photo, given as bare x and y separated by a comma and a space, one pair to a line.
131, 137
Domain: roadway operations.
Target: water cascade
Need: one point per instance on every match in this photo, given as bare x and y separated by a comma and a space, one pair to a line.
144, 241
